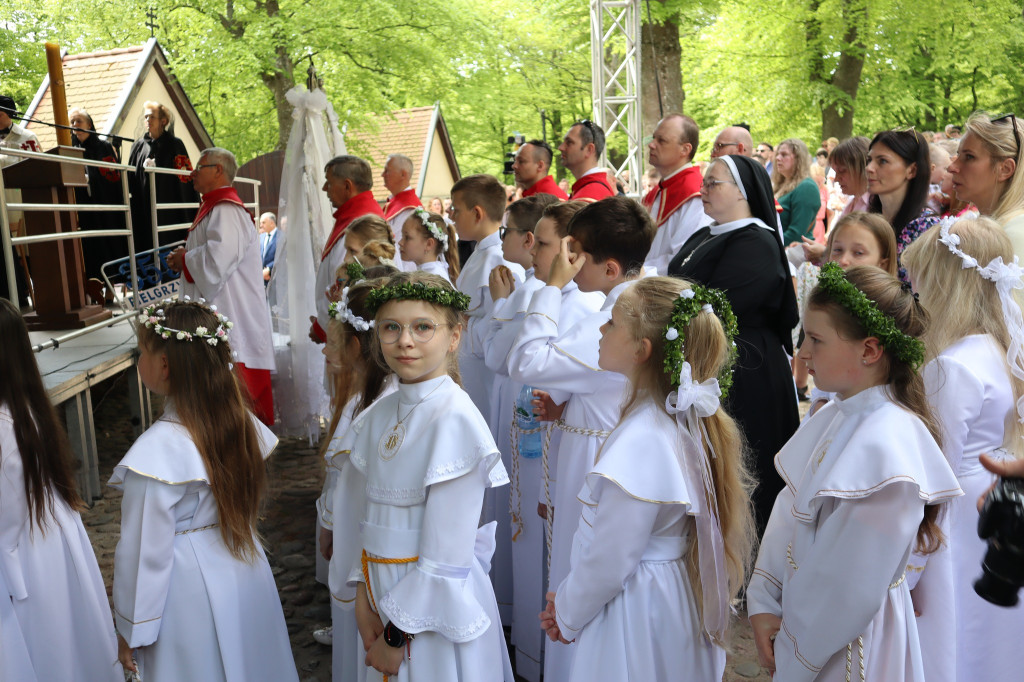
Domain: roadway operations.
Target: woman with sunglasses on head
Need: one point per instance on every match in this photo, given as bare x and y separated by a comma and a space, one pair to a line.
899, 174
985, 171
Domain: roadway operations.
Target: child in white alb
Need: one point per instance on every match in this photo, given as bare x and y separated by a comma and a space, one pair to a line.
667, 531
966, 275
864, 478
429, 241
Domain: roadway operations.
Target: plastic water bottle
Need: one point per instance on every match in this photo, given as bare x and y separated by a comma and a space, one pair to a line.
530, 444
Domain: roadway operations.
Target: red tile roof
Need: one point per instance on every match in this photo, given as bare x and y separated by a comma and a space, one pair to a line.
94, 82
405, 132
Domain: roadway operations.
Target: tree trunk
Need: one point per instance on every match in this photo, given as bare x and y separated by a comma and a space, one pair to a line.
660, 68
837, 115
280, 81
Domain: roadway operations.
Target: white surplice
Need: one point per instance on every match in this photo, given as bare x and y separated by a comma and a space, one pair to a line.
627, 599
436, 267
222, 254
54, 618
190, 608
964, 637
473, 281
833, 558
519, 565
565, 365
674, 232
422, 505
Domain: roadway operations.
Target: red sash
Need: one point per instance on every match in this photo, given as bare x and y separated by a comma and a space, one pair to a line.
675, 192
401, 201
217, 196
356, 207
545, 185
592, 187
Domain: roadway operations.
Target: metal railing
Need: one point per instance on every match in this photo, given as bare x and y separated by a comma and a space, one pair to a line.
8, 241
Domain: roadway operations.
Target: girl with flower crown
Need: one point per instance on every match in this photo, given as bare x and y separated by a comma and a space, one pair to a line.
194, 598
966, 274
54, 616
666, 535
430, 242
829, 598
421, 459
358, 381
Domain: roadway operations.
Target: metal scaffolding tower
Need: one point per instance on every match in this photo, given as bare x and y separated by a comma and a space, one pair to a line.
615, 65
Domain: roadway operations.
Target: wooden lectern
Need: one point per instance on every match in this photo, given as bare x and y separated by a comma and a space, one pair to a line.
56, 267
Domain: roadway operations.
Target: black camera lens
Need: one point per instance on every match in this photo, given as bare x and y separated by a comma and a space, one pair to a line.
1001, 524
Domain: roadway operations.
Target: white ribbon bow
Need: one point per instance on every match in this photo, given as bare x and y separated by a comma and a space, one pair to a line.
691, 402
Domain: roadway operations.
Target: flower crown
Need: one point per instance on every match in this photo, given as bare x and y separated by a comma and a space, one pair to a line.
416, 291
995, 271
434, 231
153, 318
692, 302
339, 310
832, 280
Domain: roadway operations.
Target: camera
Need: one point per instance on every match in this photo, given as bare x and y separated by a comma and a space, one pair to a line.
1001, 524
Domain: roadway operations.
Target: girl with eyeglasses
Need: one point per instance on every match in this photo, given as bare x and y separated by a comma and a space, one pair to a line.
420, 462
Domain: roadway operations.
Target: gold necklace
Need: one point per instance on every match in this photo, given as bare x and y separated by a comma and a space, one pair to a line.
392, 440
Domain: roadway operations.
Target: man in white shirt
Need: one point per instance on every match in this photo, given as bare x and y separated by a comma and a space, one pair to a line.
12, 135
675, 203
221, 263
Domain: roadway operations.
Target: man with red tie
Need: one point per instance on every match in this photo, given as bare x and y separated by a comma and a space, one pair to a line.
533, 161
397, 177
674, 203
348, 185
581, 149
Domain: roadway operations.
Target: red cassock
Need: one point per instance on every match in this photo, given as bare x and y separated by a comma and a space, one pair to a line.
401, 201
675, 191
592, 187
545, 185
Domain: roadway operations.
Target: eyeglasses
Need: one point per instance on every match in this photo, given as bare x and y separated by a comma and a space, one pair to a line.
719, 146
421, 330
205, 165
711, 184
1013, 123
502, 231
586, 122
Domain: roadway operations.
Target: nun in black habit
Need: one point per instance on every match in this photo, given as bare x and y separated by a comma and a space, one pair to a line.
741, 253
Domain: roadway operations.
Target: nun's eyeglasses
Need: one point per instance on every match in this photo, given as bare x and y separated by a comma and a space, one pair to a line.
712, 184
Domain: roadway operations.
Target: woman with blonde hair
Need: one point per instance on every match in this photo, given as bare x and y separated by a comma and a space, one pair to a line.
985, 171
973, 378
795, 190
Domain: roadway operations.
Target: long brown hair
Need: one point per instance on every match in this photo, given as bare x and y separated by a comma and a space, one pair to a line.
451, 254
648, 306
359, 374
211, 407
42, 442
904, 383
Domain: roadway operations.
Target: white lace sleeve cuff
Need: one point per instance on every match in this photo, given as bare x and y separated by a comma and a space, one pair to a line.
436, 597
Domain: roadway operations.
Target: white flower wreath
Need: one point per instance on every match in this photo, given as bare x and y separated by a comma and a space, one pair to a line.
435, 231
153, 318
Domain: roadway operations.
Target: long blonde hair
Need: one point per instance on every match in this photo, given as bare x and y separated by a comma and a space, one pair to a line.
1002, 144
961, 301
648, 306
209, 400
801, 168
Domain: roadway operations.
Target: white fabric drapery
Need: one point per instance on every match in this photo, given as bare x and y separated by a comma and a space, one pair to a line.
305, 220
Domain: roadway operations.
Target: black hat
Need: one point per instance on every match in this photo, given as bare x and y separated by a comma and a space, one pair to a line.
7, 105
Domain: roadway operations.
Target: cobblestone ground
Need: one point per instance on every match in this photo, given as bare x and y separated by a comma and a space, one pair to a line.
287, 528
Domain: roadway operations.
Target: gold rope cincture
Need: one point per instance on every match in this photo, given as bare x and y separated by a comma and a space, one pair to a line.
366, 561
515, 497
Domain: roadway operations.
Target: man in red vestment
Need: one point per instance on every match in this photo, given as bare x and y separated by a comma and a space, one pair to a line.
348, 184
581, 149
674, 203
531, 167
221, 262
397, 177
